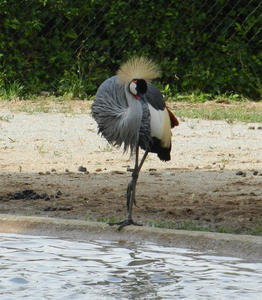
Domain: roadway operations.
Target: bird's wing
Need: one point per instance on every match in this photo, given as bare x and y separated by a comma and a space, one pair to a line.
155, 98
118, 122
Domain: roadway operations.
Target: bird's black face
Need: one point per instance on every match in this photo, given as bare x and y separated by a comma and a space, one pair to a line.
141, 86
137, 87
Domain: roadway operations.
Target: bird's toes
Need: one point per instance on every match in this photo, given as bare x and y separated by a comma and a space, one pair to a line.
125, 223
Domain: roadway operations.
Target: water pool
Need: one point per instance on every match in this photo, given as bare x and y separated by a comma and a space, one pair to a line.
50, 268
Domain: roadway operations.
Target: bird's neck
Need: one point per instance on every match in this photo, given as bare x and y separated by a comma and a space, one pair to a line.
134, 113
130, 97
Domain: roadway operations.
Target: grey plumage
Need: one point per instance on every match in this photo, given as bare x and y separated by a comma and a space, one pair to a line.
120, 121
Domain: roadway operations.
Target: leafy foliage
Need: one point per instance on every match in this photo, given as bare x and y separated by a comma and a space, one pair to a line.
72, 46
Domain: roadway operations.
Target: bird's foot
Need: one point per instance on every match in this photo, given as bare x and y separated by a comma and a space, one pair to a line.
124, 223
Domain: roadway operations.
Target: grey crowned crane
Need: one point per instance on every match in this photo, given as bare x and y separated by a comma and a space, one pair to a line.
129, 110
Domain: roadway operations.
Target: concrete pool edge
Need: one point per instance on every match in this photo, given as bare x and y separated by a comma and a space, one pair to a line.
244, 246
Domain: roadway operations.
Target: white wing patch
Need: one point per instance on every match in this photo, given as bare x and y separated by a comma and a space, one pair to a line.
160, 125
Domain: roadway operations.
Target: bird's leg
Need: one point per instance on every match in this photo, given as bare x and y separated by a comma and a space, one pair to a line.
131, 187
131, 192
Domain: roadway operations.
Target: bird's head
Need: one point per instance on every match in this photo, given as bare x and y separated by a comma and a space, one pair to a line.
137, 87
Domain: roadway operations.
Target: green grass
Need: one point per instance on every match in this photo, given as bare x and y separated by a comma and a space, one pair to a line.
183, 225
240, 113
203, 97
6, 118
188, 225
13, 91
257, 230
196, 106
229, 107
110, 219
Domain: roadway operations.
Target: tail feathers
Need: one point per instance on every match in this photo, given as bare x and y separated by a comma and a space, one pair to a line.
162, 152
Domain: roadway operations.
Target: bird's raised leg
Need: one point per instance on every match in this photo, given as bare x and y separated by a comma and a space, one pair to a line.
131, 193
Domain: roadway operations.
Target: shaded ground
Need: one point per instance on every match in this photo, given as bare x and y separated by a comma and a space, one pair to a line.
213, 180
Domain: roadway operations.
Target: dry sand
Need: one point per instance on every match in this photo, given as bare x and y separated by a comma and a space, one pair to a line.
213, 180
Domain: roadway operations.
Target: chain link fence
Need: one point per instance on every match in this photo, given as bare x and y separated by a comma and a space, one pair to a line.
214, 46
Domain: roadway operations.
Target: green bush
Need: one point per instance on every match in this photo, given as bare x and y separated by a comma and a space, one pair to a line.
72, 46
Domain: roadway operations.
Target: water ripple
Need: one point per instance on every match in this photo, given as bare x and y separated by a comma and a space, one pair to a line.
50, 268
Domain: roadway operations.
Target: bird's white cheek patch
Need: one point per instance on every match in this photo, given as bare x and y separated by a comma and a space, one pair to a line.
132, 88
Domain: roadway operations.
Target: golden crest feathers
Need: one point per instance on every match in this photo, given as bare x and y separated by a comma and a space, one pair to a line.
138, 68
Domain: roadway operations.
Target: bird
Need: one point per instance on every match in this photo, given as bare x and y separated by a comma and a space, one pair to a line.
131, 111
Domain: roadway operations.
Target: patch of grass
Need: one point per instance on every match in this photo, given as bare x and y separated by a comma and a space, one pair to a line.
43, 104
6, 118
185, 225
41, 150
257, 230
195, 106
191, 98
198, 97
73, 86
13, 91
223, 230
40, 107
110, 219
188, 225
231, 113
229, 107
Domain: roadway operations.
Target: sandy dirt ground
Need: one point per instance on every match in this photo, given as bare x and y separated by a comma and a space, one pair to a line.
54, 164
